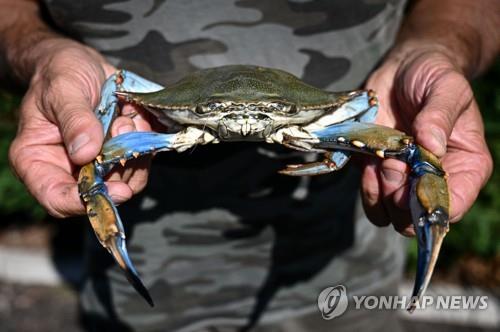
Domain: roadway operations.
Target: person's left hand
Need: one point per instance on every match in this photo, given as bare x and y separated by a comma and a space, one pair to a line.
425, 95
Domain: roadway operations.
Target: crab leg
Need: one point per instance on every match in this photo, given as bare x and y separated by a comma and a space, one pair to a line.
101, 211
333, 161
122, 80
429, 197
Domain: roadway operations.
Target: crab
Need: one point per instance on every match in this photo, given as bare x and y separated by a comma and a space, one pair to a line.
252, 103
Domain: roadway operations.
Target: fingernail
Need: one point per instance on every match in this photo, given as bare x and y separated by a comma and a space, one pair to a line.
392, 175
78, 143
438, 136
125, 129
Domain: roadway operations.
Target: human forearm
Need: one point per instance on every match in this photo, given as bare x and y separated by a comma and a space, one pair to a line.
26, 41
467, 31
21, 31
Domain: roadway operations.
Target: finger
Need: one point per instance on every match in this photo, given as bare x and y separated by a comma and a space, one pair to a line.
54, 187
405, 229
466, 176
57, 190
81, 131
400, 218
140, 175
393, 183
135, 172
371, 195
122, 125
138, 115
61, 198
468, 162
48, 177
120, 192
448, 97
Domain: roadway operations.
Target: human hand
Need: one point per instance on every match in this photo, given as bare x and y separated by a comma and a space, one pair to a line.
58, 130
424, 94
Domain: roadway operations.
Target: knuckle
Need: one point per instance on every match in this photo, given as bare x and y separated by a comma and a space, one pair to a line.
370, 187
139, 185
68, 96
74, 118
408, 232
19, 156
52, 96
404, 229
486, 160
55, 199
381, 221
370, 193
14, 149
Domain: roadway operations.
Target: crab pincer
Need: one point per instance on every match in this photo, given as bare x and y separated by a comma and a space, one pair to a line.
429, 206
429, 196
107, 224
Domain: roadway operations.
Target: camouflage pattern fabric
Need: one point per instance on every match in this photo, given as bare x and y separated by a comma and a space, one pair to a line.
221, 240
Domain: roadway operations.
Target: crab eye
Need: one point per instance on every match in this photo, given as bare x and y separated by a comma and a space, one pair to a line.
200, 110
276, 107
292, 109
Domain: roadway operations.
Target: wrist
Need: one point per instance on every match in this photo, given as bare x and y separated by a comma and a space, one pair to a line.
456, 55
408, 51
465, 31
28, 45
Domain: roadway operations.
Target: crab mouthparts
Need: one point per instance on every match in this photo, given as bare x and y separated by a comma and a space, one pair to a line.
235, 126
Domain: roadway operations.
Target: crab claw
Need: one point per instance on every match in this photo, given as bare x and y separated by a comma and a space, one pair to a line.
117, 248
112, 237
429, 209
107, 224
429, 196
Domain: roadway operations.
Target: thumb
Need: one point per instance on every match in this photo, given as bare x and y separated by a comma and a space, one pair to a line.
446, 98
81, 130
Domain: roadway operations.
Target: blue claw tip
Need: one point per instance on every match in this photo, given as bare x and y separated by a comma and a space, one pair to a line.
431, 230
118, 250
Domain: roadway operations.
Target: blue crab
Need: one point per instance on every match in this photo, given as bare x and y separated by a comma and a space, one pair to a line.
250, 103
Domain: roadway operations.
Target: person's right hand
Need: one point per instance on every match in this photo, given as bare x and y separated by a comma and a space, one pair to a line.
58, 130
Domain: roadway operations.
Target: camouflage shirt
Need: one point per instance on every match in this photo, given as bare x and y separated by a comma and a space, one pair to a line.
219, 238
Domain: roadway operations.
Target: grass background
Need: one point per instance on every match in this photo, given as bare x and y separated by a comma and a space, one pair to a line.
477, 235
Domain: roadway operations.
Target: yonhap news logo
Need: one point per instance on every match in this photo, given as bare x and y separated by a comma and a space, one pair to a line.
333, 302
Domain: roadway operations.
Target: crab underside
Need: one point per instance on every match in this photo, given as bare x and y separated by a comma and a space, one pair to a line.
247, 103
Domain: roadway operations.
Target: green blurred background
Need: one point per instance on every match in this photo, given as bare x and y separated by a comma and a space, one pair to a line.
471, 251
